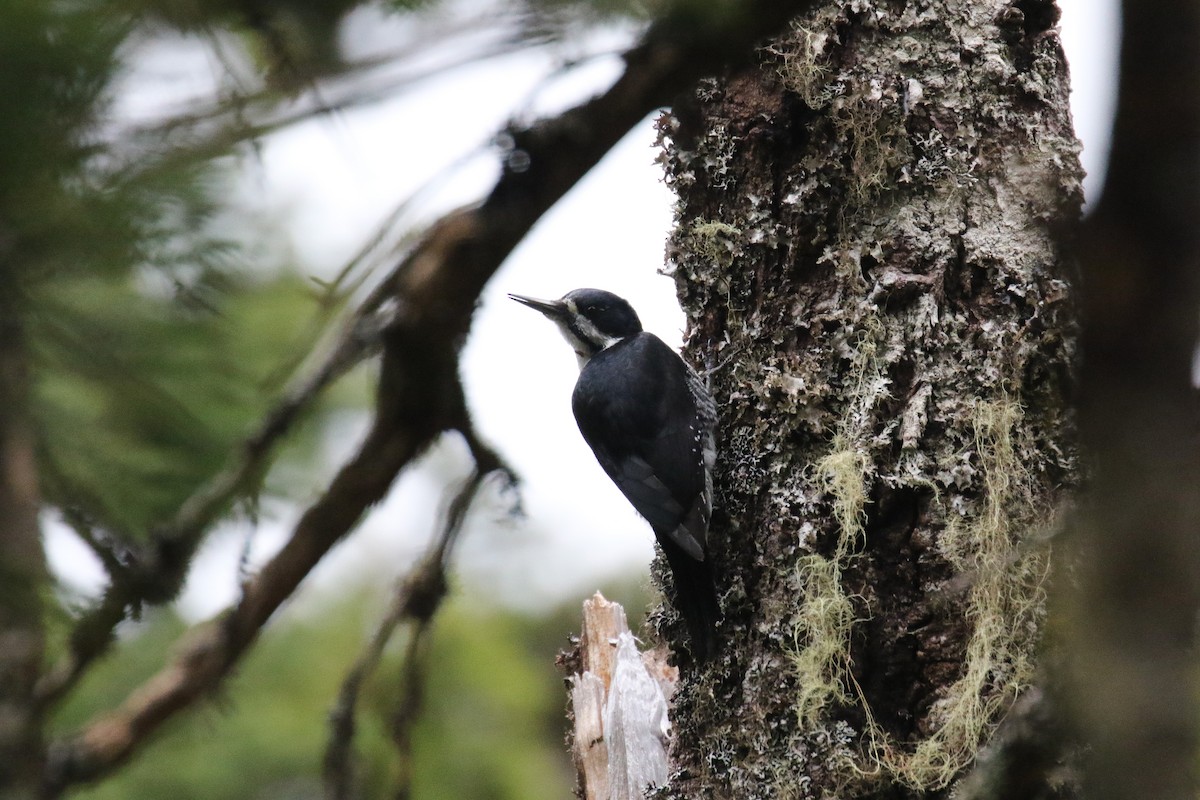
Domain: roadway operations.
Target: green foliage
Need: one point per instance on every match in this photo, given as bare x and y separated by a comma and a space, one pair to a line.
491, 726
56, 60
152, 345
139, 398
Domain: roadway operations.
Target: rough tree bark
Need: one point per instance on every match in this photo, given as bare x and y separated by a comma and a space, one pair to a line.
866, 248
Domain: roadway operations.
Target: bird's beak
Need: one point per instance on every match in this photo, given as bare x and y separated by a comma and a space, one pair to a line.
554, 309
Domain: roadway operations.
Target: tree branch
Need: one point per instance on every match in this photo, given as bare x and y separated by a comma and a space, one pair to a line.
111, 553
23, 575
210, 650
156, 574
417, 599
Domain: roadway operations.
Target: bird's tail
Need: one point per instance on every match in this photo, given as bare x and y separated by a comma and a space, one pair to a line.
695, 599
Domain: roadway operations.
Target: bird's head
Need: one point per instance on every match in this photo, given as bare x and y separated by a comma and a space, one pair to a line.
590, 319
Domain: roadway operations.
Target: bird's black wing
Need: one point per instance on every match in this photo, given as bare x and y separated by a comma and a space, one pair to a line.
637, 413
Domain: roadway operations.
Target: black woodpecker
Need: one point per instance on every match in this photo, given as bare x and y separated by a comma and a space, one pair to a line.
650, 421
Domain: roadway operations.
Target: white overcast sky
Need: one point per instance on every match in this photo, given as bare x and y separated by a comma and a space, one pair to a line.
336, 179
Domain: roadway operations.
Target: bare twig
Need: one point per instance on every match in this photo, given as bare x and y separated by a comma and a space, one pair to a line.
408, 708
416, 600
113, 556
156, 573
429, 299
420, 615
210, 649
207, 128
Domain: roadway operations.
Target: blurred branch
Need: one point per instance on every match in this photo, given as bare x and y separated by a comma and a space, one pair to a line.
112, 554
247, 115
416, 600
1133, 618
1029, 756
408, 709
156, 573
23, 573
210, 650
425, 307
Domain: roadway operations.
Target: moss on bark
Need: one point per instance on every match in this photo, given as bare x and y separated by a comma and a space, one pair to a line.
866, 246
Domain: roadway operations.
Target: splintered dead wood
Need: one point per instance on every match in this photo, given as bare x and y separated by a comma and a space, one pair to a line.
602, 623
592, 666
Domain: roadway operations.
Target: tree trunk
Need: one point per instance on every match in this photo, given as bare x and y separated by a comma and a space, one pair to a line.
23, 578
866, 248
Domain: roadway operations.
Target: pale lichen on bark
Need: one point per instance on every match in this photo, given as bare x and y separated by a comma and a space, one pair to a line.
867, 250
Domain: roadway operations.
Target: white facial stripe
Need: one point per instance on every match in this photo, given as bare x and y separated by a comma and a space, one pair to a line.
592, 334
584, 337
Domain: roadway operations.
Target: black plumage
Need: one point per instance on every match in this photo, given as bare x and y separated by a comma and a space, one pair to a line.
649, 420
